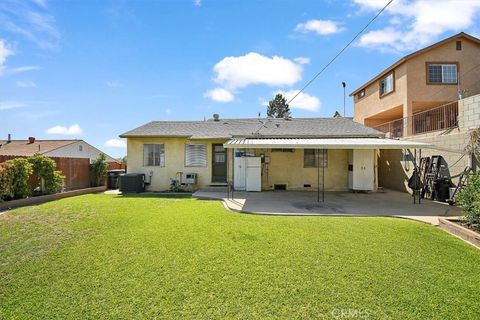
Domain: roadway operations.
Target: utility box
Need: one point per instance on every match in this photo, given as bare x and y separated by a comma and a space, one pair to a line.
132, 182
190, 178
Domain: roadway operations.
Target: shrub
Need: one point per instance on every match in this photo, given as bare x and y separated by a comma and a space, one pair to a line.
14, 179
49, 180
98, 170
6, 182
469, 200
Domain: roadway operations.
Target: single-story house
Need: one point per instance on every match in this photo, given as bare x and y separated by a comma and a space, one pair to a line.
51, 148
335, 154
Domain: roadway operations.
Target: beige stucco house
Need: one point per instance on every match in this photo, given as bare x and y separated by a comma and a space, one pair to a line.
420, 81
334, 154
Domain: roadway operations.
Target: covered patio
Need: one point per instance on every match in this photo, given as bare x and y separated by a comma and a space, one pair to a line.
302, 203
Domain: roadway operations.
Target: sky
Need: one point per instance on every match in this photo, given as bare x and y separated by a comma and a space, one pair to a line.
94, 69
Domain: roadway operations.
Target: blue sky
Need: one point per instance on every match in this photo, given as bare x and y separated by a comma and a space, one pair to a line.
94, 69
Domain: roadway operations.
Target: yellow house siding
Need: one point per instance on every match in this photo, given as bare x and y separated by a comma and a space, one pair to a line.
174, 161
287, 168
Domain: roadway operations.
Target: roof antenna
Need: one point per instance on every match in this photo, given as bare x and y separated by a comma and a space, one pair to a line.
259, 114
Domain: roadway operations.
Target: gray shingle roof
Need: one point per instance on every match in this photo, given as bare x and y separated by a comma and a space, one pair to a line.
271, 127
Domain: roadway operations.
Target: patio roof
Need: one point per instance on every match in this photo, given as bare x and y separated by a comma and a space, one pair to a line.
325, 143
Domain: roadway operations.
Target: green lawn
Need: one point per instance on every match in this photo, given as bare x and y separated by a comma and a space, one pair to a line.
105, 256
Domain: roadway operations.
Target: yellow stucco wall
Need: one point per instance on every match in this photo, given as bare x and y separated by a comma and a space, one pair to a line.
284, 167
287, 168
412, 93
174, 161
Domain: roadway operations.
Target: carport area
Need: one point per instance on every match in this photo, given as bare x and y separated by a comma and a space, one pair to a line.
387, 203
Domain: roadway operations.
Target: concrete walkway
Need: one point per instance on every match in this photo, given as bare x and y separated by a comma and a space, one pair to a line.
388, 203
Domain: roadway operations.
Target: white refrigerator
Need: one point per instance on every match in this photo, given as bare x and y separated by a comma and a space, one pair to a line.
247, 173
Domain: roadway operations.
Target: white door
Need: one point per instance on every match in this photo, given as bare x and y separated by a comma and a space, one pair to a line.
239, 173
363, 169
254, 174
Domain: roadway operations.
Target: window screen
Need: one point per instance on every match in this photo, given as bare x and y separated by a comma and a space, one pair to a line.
195, 155
154, 155
386, 84
312, 157
442, 73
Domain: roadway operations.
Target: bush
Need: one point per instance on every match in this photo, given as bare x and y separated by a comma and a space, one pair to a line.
98, 170
49, 180
469, 200
14, 176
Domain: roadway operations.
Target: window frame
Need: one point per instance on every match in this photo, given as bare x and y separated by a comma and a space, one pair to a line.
427, 78
185, 155
316, 154
162, 147
360, 94
380, 94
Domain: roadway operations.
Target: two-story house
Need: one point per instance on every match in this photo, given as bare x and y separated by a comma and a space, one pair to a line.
396, 99
431, 96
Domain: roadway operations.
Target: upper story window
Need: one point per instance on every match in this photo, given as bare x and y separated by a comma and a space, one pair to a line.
80, 148
442, 73
458, 45
386, 84
154, 155
361, 94
314, 157
195, 155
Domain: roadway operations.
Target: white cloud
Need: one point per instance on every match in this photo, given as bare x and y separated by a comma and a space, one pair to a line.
219, 95
26, 84
115, 143
303, 101
113, 84
253, 68
73, 129
197, 3
7, 105
5, 51
168, 110
414, 24
302, 60
320, 27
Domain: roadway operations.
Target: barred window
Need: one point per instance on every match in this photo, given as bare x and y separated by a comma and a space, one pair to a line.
312, 157
442, 73
195, 155
154, 155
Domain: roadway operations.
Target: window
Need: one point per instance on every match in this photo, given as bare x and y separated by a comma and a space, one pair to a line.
442, 73
80, 148
458, 45
386, 84
312, 157
195, 155
282, 150
154, 155
361, 94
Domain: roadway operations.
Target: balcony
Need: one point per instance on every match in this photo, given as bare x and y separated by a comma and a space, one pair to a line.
439, 118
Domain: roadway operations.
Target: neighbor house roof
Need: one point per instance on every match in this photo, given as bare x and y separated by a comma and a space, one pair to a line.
269, 127
414, 54
24, 148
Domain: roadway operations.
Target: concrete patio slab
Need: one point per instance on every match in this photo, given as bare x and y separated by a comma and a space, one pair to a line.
388, 203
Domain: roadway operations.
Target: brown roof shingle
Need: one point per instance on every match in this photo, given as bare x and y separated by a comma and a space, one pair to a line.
24, 148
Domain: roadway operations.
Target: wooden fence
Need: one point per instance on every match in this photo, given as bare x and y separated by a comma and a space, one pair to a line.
75, 170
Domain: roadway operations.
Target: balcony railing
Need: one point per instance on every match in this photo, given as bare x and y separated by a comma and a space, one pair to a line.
438, 118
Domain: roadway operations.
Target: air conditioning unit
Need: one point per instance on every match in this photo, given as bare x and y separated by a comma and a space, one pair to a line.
190, 178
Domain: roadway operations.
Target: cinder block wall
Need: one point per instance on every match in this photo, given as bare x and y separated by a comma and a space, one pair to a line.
396, 166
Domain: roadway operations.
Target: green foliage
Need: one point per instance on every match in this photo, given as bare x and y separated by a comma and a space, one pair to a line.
469, 200
278, 107
98, 170
14, 179
123, 160
6, 181
49, 180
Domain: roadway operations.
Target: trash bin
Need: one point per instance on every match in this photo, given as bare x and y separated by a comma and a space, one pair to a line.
112, 178
442, 191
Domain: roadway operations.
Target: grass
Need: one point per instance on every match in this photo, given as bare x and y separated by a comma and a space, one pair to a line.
112, 257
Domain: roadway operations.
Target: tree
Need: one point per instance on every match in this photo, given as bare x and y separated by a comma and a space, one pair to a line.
98, 169
49, 179
278, 107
